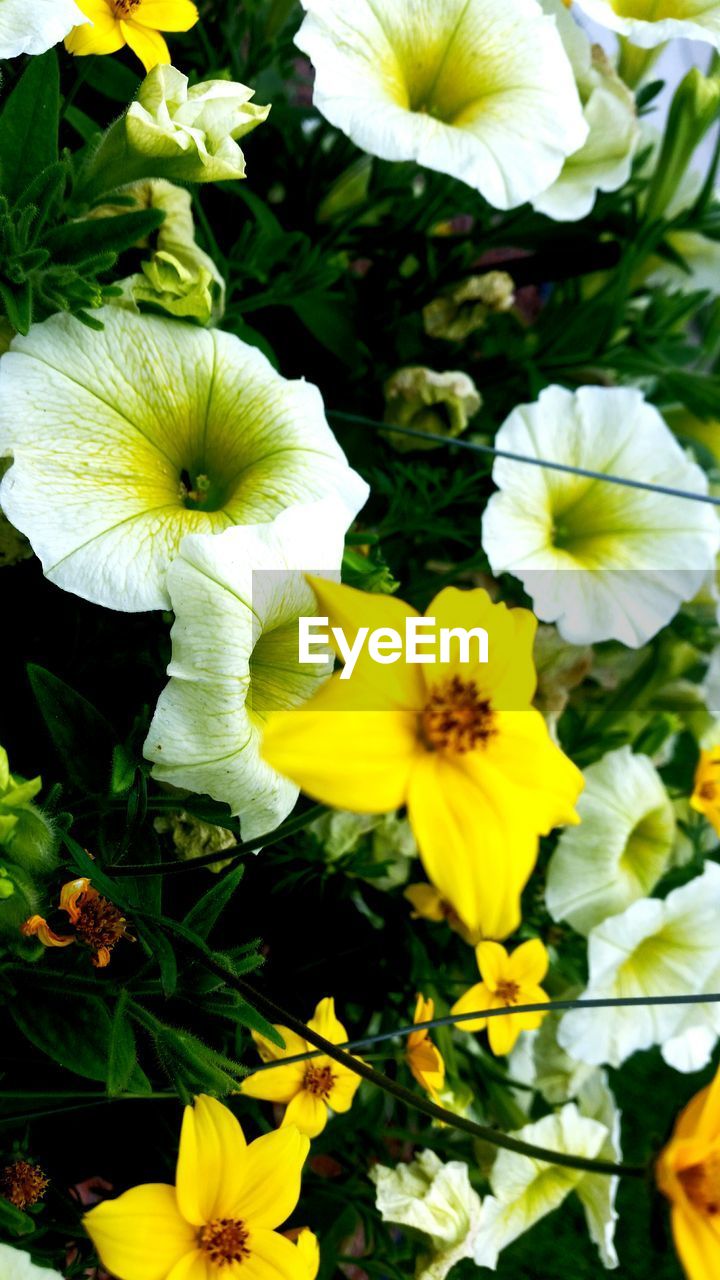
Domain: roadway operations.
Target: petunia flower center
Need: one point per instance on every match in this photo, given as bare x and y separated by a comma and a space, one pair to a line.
701, 1183
198, 491
123, 8
224, 1241
456, 718
508, 991
318, 1081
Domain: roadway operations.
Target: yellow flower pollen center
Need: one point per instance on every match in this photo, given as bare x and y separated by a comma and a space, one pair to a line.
507, 991
701, 1183
319, 1081
123, 8
224, 1241
456, 718
22, 1183
708, 791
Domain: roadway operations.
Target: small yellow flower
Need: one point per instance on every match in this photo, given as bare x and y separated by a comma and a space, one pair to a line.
310, 1089
705, 798
424, 1060
457, 741
137, 23
507, 980
428, 904
223, 1211
96, 922
688, 1173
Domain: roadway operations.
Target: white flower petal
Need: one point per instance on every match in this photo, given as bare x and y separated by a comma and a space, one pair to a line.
436, 1199
15, 1264
604, 161
237, 598
105, 426
648, 24
597, 1191
604, 561
526, 1190
36, 26
622, 847
478, 90
656, 947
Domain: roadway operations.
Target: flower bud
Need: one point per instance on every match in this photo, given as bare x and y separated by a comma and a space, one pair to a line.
172, 131
436, 403
26, 835
693, 111
466, 307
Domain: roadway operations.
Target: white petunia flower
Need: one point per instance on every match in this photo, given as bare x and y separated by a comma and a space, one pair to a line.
436, 1199
34, 27
622, 847
647, 23
237, 598
524, 1189
475, 89
126, 439
15, 1264
604, 161
602, 560
656, 947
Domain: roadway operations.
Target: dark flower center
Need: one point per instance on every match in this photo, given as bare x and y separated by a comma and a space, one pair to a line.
22, 1183
456, 718
318, 1081
224, 1241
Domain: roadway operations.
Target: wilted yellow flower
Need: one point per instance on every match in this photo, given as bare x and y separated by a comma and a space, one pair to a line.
688, 1172
705, 798
466, 307
423, 1058
224, 1211
95, 921
507, 980
312, 1088
440, 404
452, 740
137, 23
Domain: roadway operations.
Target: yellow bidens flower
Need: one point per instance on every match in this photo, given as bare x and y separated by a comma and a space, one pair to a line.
311, 1088
457, 741
424, 1060
688, 1172
96, 922
228, 1200
705, 798
137, 23
507, 980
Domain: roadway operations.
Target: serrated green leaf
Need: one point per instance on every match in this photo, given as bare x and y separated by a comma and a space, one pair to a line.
29, 125
122, 1050
80, 242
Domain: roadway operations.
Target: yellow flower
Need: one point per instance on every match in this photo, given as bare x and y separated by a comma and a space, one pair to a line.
306, 1244
688, 1172
456, 741
137, 23
312, 1088
705, 798
507, 980
224, 1209
424, 1060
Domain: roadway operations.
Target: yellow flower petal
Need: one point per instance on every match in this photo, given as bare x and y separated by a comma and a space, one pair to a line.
535, 776
493, 963
502, 1034
269, 1051
104, 36
326, 1024
142, 1235
509, 675
149, 45
271, 1172
478, 997
210, 1168
166, 15
279, 1084
697, 1244
528, 964
473, 848
399, 684
308, 1112
197, 1266
358, 760
345, 1085
308, 1247
273, 1257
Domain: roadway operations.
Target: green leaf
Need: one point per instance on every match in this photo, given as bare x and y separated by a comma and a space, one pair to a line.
204, 915
13, 1220
29, 125
82, 124
122, 1053
81, 241
328, 320
162, 952
82, 736
76, 1034
111, 78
